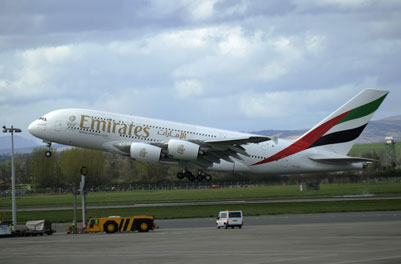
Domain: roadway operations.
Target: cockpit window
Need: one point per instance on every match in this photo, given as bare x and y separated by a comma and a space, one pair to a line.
42, 118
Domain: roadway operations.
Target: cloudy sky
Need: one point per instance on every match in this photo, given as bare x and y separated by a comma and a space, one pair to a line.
238, 65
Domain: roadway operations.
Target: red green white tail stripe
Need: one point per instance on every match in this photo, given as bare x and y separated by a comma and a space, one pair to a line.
339, 130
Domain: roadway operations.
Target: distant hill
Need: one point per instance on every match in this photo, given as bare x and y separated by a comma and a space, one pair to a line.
392, 118
288, 134
375, 131
21, 145
359, 149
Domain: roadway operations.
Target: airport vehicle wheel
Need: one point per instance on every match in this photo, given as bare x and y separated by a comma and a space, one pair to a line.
232, 227
48, 154
226, 226
240, 226
180, 175
143, 227
199, 177
110, 227
208, 177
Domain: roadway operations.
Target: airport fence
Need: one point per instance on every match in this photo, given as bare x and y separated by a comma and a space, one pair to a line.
26, 189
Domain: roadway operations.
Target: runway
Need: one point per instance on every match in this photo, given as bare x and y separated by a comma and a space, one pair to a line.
373, 237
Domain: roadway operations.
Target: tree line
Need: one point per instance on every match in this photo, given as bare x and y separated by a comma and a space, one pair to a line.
62, 169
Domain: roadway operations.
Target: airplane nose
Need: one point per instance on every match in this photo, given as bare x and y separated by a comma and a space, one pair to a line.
32, 128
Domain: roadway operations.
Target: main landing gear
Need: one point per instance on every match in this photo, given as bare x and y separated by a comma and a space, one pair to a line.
48, 153
200, 176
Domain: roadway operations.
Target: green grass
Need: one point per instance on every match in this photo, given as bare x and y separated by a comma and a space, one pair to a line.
226, 194
201, 211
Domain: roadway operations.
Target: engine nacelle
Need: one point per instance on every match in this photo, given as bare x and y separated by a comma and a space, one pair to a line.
145, 152
183, 150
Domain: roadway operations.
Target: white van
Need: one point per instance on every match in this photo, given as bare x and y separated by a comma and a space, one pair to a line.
230, 219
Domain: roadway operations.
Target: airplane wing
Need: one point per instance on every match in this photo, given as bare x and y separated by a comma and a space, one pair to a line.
224, 149
238, 141
211, 151
341, 160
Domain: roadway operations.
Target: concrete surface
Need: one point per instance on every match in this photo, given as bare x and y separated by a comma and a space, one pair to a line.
364, 238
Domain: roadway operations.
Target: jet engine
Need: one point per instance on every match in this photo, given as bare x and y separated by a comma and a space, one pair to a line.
145, 152
182, 150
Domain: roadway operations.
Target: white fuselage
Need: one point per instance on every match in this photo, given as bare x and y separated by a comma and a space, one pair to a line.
101, 131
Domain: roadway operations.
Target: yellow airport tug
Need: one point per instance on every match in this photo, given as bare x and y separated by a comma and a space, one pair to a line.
114, 224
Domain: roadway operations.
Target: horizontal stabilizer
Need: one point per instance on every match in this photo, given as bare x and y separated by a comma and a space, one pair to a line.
341, 160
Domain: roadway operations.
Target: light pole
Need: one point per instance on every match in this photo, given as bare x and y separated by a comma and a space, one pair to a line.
84, 171
14, 204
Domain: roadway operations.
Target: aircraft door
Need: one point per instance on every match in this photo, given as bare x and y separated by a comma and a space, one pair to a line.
59, 125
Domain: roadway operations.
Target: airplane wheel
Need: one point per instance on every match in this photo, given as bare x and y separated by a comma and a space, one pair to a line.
199, 177
189, 175
208, 177
180, 175
48, 154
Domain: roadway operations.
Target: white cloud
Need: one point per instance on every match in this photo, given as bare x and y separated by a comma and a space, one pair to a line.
188, 88
253, 64
202, 9
239, 8
51, 55
234, 43
344, 3
298, 104
315, 44
194, 38
271, 71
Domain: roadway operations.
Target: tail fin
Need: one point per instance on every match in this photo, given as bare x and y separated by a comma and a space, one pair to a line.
339, 131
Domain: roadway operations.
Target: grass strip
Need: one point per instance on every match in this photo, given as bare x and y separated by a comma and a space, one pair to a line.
226, 194
200, 211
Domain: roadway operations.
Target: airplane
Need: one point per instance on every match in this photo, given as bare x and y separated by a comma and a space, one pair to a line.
323, 148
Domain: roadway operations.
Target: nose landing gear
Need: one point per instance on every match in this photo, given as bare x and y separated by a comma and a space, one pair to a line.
48, 153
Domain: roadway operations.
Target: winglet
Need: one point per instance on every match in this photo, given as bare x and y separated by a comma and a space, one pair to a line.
275, 138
